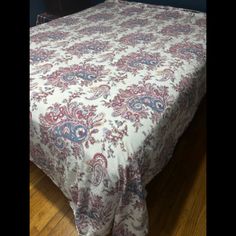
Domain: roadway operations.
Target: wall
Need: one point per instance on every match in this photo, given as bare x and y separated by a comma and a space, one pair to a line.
36, 7
199, 5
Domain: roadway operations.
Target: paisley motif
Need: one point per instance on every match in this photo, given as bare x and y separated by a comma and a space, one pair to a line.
102, 90
87, 47
155, 104
73, 132
81, 74
40, 55
165, 75
144, 61
98, 166
176, 29
134, 39
187, 50
75, 74
138, 61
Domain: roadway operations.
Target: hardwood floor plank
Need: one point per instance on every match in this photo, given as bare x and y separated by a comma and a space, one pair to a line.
45, 203
65, 227
35, 176
196, 207
55, 219
200, 229
194, 203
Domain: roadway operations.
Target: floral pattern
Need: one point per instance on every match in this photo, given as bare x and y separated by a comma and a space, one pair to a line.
75, 74
140, 102
176, 29
136, 38
112, 88
134, 62
88, 47
40, 55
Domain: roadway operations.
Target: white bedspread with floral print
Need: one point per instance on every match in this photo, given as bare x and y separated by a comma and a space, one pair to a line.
112, 88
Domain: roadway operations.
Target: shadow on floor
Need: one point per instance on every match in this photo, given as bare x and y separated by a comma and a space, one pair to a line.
168, 191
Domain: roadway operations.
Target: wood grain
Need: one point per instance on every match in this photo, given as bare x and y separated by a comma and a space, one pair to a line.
176, 196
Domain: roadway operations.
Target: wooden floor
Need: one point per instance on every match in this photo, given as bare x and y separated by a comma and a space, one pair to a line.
176, 197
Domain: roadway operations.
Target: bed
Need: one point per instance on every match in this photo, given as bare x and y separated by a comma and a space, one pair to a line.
112, 89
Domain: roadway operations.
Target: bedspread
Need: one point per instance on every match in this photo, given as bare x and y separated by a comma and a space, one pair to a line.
112, 88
